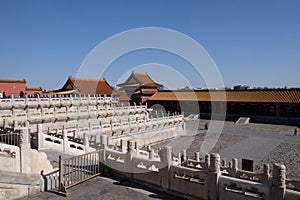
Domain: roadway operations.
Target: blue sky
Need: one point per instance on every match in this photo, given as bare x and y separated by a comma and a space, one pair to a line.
252, 42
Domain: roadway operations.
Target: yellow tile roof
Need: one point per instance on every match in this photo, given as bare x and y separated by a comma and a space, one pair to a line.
122, 95
34, 89
251, 96
87, 86
139, 79
12, 81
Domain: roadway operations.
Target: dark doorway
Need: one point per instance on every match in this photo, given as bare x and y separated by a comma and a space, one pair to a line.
247, 165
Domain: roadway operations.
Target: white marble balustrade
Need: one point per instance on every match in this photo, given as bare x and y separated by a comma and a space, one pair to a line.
56, 101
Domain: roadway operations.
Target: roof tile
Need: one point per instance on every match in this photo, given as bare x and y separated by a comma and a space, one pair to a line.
252, 96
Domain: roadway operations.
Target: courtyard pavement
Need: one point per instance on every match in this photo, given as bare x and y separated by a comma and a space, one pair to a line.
260, 139
106, 189
253, 148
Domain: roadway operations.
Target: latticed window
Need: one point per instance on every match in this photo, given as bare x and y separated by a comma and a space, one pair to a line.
272, 109
260, 109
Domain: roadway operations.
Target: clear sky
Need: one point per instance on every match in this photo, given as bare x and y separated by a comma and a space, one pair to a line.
252, 42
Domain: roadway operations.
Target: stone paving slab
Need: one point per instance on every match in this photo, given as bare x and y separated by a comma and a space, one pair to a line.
180, 143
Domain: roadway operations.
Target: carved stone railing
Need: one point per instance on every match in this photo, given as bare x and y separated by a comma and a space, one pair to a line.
116, 126
55, 101
293, 184
233, 171
51, 180
62, 113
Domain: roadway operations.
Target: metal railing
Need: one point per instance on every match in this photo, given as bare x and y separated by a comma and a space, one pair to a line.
77, 169
10, 138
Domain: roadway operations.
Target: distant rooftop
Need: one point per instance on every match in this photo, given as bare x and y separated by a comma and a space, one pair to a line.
12, 81
250, 95
139, 79
87, 86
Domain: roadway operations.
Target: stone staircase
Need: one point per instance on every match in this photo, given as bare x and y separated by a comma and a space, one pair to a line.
243, 120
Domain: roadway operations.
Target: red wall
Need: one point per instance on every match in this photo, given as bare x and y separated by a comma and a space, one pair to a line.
12, 88
31, 93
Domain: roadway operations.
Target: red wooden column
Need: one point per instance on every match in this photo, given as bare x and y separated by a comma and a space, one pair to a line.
277, 110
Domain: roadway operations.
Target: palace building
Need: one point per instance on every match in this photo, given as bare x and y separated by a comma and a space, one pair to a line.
86, 86
17, 88
261, 105
139, 87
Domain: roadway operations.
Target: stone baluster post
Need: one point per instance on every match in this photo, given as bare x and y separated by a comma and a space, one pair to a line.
179, 158
151, 126
88, 111
27, 124
67, 113
42, 112
167, 161
207, 161
223, 163
16, 124
121, 126
60, 100
136, 147
197, 155
49, 100
103, 141
71, 100
4, 123
12, 100
78, 113
80, 101
102, 154
13, 113
123, 146
266, 176
149, 147
128, 159
25, 150
129, 124
151, 154
89, 99
38, 101
86, 142
166, 155
40, 135
278, 182
130, 146
169, 155
183, 125
65, 140
147, 114
109, 141
184, 157
234, 168
213, 177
